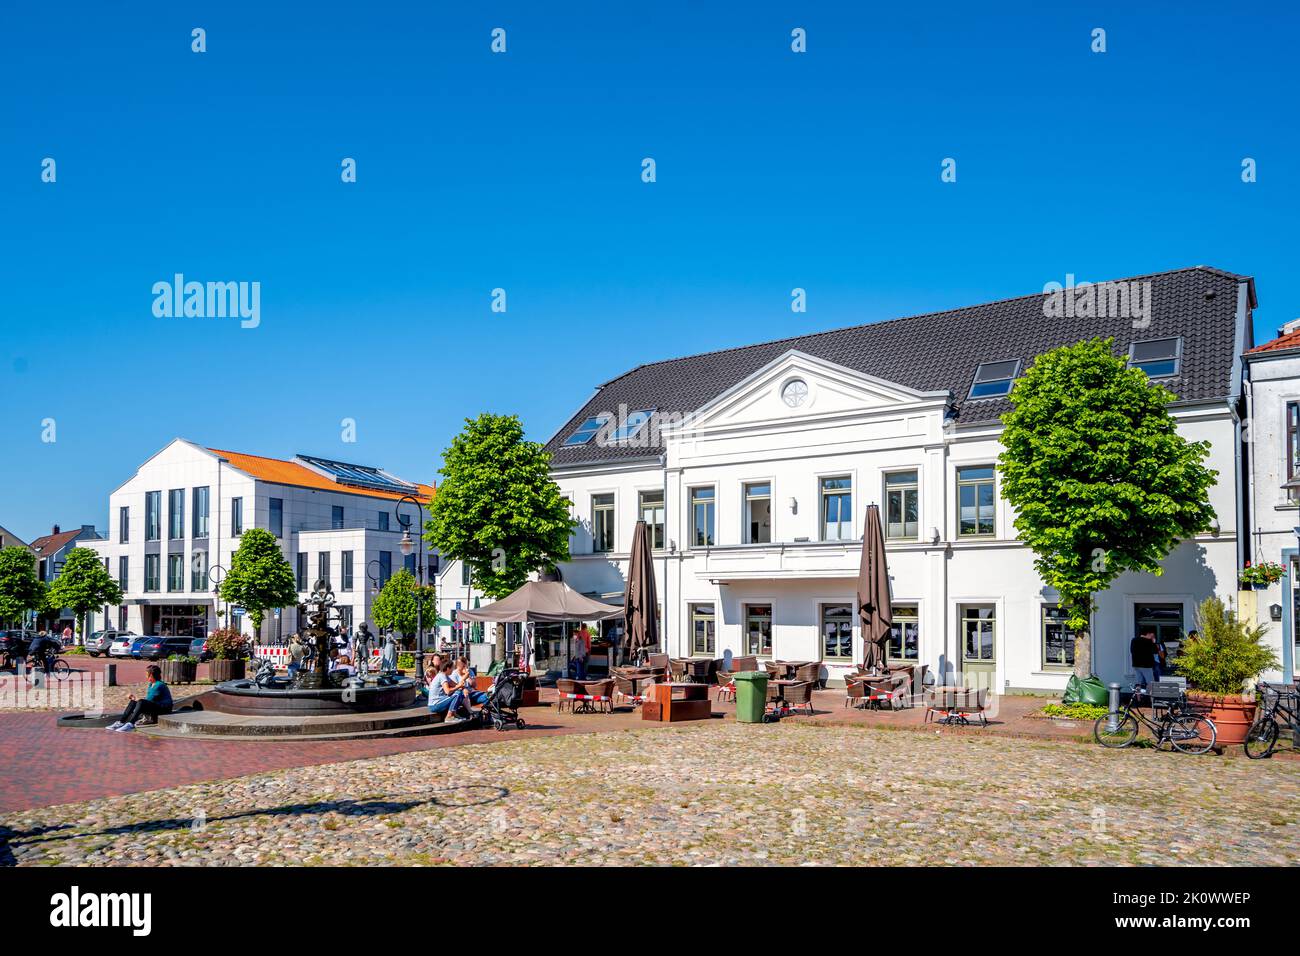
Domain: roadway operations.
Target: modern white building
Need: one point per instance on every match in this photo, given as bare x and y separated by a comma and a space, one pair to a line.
175, 524
753, 465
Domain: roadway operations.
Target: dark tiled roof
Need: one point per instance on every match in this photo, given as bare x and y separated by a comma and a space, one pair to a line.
940, 351
52, 543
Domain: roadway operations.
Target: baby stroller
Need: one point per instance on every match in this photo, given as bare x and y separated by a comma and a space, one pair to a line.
502, 705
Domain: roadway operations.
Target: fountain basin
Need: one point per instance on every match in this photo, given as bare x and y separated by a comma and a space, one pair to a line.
245, 698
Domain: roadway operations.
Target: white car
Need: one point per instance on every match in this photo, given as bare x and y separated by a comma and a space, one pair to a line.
121, 646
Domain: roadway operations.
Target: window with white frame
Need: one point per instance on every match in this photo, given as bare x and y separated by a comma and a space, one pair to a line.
837, 508
703, 515
905, 634
703, 630
976, 501
650, 505
837, 632
602, 522
902, 505
758, 512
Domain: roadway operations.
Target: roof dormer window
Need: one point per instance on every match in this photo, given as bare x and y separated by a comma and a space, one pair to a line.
1159, 358
994, 379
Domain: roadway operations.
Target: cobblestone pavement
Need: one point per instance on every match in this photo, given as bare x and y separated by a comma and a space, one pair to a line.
718, 793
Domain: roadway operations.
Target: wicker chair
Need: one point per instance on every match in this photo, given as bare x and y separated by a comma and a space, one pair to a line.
657, 662
855, 691
809, 672
677, 670
726, 686
741, 664
585, 696
956, 704
800, 695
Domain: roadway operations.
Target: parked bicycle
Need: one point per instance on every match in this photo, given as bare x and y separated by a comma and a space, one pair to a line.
1170, 721
1278, 706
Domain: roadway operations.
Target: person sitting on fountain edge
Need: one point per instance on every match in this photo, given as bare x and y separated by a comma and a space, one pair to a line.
444, 698
463, 680
157, 700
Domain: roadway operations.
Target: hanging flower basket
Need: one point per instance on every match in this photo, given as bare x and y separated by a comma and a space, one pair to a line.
1260, 575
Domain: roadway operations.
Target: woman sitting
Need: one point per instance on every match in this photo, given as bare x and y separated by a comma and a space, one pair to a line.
157, 700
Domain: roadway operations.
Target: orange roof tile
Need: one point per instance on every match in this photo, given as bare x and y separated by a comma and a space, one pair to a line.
281, 472
1289, 341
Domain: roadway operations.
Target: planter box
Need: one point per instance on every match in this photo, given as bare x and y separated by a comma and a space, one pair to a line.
179, 672
1232, 716
226, 670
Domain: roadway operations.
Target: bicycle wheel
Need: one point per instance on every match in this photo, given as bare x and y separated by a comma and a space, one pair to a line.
1261, 738
1124, 733
61, 669
1192, 733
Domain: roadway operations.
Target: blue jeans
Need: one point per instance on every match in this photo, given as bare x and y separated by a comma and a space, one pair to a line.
454, 703
478, 697
1145, 675
579, 668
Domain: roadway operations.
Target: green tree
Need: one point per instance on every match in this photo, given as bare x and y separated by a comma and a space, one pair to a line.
498, 509
395, 605
1099, 476
20, 589
260, 578
83, 585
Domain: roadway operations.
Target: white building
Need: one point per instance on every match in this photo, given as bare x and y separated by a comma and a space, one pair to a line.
753, 466
1271, 449
175, 524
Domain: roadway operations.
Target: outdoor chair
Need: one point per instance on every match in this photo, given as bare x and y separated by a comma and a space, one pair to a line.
585, 697
657, 662
740, 665
726, 686
677, 669
811, 671
956, 705
800, 695
855, 691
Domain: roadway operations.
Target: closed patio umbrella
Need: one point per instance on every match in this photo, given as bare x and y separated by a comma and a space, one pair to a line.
875, 610
640, 603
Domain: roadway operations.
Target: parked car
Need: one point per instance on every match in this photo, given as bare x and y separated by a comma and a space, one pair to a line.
122, 644
100, 642
15, 642
158, 648
199, 649
136, 645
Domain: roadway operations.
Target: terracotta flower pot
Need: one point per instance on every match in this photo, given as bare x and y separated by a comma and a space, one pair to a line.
1232, 715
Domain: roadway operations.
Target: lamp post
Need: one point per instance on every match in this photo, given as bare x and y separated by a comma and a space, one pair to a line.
407, 546
216, 580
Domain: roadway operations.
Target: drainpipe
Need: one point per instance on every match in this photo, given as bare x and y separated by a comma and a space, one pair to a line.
663, 620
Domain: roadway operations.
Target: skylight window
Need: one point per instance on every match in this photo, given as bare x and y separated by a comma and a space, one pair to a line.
994, 379
362, 476
632, 425
1159, 358
587, 430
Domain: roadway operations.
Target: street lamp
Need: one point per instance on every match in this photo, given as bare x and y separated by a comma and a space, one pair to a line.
407, 546
374, 578
216, 580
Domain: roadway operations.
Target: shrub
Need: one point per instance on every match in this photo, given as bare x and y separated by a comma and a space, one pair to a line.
183, 659
1079, 711
1226, 654
227, 644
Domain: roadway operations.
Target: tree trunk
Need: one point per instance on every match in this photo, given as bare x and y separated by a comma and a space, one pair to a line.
1082, 655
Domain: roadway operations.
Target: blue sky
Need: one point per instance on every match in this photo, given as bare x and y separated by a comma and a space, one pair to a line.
522, 170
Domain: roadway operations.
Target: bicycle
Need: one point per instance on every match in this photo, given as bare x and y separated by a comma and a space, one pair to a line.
1188, 733
52, 665
1261, 739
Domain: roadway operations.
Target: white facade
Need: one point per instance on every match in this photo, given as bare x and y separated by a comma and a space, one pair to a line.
862, 429
242, 492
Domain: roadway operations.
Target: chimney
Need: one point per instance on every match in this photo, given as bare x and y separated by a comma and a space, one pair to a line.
1289, 328
56, 530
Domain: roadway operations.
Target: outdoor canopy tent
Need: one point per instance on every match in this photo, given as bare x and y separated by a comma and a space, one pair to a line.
542, 602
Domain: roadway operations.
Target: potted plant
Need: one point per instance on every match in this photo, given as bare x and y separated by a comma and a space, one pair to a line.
1260, 575
1227, 655
229, 650
180, 669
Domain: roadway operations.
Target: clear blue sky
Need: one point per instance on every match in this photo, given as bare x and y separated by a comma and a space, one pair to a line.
522, 171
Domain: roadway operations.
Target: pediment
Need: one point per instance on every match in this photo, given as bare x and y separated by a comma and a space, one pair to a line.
798, 386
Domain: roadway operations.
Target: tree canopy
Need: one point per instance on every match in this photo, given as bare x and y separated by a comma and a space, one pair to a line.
1101, 480
497, 508
83, 585
395, 605
260, 577
20, 589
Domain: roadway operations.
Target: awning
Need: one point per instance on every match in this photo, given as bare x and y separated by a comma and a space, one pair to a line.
542, 602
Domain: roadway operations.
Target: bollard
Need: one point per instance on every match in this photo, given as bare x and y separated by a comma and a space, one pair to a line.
1112, 721
110, 675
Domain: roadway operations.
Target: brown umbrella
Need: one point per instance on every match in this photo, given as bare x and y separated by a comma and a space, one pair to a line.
875, 610
640, 605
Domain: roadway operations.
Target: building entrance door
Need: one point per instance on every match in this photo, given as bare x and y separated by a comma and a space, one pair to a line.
979, 644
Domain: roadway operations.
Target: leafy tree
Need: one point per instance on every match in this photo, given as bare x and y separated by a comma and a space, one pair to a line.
497, 508
260, 578
1099, 476
83, 585
1227, 652
20, 589
395, 605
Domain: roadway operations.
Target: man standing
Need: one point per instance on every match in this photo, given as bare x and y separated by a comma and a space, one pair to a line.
579, 647
1142, 650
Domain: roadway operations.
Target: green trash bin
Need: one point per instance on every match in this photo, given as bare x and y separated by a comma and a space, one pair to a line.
751, 696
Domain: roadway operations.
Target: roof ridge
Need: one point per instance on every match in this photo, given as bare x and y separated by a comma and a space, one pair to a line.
906, 318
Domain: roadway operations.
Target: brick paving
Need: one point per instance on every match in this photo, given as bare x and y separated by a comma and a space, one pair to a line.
708, 793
